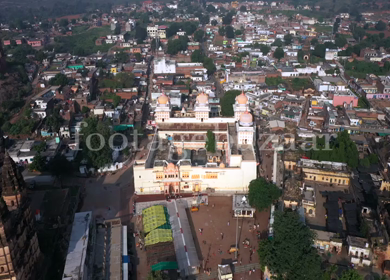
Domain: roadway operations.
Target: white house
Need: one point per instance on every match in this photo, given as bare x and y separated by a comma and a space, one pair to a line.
359, 250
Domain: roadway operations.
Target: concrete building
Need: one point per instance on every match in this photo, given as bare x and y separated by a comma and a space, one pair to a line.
178, 161
78, 263
241, 207
324, 171
115, 259
164, 66
359, 250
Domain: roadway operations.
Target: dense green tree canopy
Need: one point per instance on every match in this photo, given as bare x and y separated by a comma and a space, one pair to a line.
229, 32
210, 142
177, 45
157, 275
222, 31
211, 9
290, 254
59, 80
198, 35
140, 33
227, 102
380, 26
279, 53
288, 39
277, 43
214, 22
343, 149
262, 194
351, 274
98, 153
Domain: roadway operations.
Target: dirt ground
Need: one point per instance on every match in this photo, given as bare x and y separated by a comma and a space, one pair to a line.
218, 220
212, 248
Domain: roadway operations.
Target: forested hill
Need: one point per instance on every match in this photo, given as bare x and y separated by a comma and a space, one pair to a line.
37, 9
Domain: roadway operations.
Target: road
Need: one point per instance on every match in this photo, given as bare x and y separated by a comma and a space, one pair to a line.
109, 196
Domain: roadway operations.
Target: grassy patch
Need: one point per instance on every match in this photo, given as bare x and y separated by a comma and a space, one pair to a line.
79, 29
323, 28
84, 43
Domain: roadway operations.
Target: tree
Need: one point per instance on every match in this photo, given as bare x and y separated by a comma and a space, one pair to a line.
290, 253
64, 22
351, 274
336, 27
279, 53
229, 32
59, 167
116, 100
117, 30
85, 110
243, 9
54, 120
319, 51
214, 22
238, 32
177, 45
227, 102
59, 80
122, 57
198, 35
342, 149
277, 43
73, 21
208, 63
340, 41
222, 31
288, 39
140, 33
380, 26
262, 194
138, 57
210, 141
38, 164
264, 49
157, 275
365, 162
204, 19
211, 9
96, 149
314, 41
40, 56
381, 35
227, 19
197, 56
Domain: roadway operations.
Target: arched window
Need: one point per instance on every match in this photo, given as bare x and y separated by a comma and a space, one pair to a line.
12, 203
1, 269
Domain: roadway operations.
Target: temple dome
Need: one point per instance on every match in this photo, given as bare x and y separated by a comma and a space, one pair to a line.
202, 98
163, 99
246, 118
171, 167
242, 99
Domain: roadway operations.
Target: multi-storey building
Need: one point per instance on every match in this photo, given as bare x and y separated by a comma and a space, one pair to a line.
178, 161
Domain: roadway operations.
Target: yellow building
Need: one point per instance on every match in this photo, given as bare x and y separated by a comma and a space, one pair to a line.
235, 4
325, 171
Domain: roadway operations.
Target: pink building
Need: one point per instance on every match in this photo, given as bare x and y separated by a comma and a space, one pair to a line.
7, 42
35, 43
18, 41
341, 98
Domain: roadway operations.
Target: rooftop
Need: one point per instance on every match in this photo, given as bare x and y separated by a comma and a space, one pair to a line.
241, 202
77, 251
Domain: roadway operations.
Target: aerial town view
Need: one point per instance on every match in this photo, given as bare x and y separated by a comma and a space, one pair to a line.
210, 140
